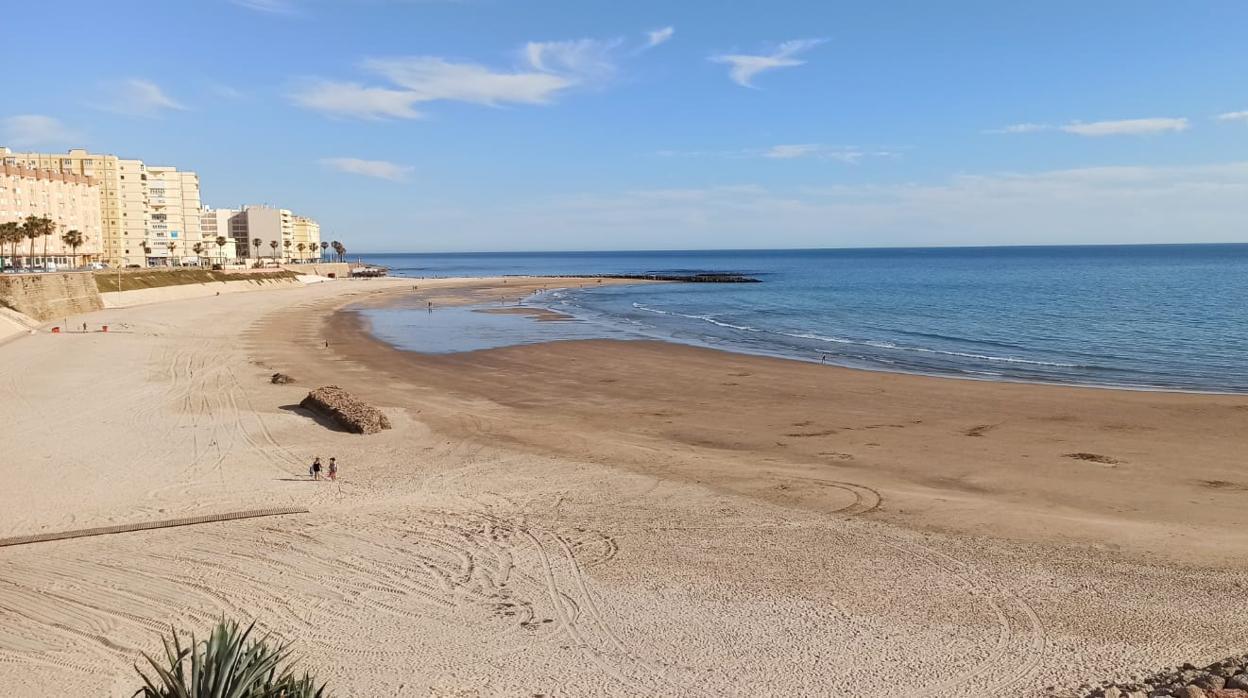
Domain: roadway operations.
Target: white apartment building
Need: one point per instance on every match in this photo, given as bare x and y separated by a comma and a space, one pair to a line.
174, 217
214, 223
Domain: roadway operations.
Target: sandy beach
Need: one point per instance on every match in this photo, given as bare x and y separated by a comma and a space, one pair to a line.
600, 518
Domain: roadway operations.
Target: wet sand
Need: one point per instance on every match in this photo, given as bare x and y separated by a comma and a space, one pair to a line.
603, 517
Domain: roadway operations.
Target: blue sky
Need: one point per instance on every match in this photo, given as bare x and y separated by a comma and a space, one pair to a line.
508, 125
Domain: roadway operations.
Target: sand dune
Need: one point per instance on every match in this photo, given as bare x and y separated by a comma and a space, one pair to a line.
598, 518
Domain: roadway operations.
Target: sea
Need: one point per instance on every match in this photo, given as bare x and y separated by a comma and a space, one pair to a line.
1160, 317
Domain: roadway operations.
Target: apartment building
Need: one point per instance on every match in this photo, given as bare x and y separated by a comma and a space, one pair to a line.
305, 232
118, 180
128, 235
174, 217
71, 200
262, 233
214, 223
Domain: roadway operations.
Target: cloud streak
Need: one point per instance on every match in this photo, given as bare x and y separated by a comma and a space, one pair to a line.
33, 130
1096, 129
269, 7
743, 68
1234, 116
849, 155
138, 97
659, 36
546, 70
379, 169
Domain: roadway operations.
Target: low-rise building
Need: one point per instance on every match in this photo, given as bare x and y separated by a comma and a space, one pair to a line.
214, 227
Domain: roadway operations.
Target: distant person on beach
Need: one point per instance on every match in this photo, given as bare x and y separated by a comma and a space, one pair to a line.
315, 469
431, 306
333, 469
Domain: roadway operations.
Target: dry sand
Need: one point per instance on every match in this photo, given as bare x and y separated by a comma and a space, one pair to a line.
602, 518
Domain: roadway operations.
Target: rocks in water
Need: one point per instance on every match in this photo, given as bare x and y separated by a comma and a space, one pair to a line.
281, 379
1227, 678
351, 414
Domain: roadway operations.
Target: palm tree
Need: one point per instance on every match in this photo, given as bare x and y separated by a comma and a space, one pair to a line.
273, 246
173, 261
338, 249
49, 227
301, 247
32, 229
147, 250
286, 252
324, 246
198, 249
73, 240
221, 247
342, 252
11, 234
255, 242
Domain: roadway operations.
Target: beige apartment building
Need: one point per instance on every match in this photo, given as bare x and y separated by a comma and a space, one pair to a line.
306, 232
126, 213
174, 217
215, 223
71, 200
118, 180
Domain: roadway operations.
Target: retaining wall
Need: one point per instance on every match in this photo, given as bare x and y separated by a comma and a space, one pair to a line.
50, 296
143, 296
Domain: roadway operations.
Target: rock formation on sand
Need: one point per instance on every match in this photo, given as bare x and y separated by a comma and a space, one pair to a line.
353, 415
281, 379
1227, 678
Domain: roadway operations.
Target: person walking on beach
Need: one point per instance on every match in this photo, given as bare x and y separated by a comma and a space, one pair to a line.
333, 469
315, 469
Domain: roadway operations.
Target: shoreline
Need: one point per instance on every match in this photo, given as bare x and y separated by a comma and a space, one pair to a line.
502, 375
536, 307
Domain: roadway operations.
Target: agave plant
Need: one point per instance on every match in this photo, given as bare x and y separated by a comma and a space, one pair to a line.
229, 664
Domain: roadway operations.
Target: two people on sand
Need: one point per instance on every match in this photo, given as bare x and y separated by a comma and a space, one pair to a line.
314, 470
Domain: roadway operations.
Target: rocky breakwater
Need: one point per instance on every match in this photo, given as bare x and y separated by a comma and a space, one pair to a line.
351, 414
699, 278
1224, 679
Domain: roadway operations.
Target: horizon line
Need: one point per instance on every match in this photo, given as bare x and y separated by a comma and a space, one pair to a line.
813, 249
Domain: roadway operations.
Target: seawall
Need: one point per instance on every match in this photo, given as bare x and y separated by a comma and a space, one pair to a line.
50, 296
160, 294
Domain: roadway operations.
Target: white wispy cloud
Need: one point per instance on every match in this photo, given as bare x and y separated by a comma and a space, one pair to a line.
1127, 127
1086, 205
1234, 116
743, 68
137, 97
1120, 127
659, 36
434, 79
546, 70
850, 155
272, 7
224, 91
32, 130
580, 59
380, 169
1020, 128
355, 100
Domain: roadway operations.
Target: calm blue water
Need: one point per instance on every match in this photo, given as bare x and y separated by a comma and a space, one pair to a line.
1173, 316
